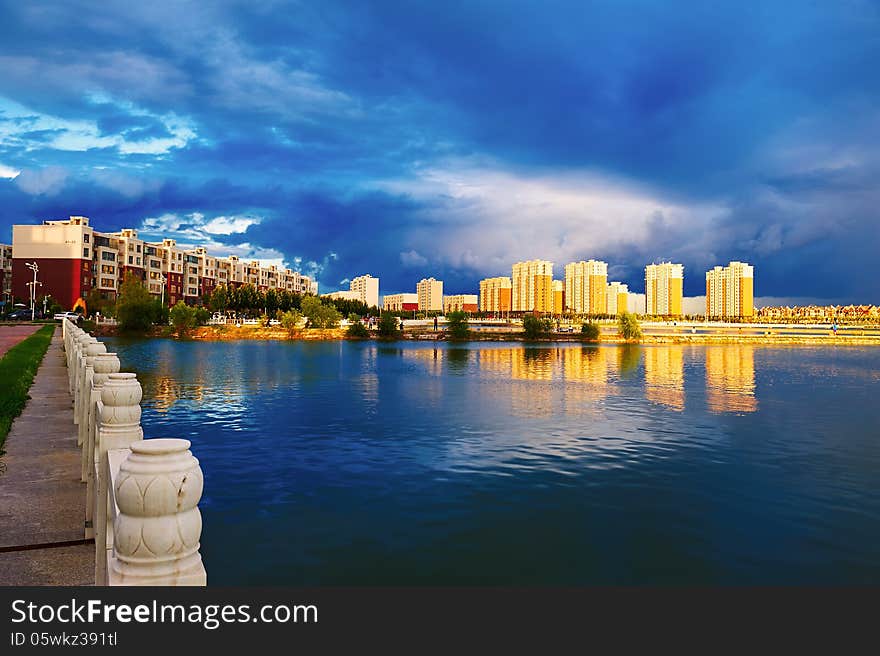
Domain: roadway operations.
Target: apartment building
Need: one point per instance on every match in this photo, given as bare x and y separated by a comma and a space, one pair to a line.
430, 293
6, 273
495, 294
664, 285
586, 287
74, 259
363, 288
730, 291
532, 286
558, 296
617, 296
400, 302
460, 303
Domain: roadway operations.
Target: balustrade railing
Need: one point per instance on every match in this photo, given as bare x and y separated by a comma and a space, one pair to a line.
141, 495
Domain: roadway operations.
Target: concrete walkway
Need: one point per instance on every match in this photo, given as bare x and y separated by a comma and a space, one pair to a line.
12, 335
42, 501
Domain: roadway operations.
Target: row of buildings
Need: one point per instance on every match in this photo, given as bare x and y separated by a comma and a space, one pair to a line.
74, 260
586, 290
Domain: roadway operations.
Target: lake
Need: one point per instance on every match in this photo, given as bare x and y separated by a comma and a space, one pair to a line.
357, 463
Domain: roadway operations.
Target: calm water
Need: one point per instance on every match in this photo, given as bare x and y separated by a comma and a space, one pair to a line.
358, 463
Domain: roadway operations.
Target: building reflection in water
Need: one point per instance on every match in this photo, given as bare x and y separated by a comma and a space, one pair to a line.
664, 375
730, 378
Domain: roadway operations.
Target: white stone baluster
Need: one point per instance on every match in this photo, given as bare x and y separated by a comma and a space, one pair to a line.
158, 525
120, 427
91, 350
103, 365
79, 344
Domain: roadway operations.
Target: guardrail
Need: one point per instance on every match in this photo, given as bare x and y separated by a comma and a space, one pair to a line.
142, 495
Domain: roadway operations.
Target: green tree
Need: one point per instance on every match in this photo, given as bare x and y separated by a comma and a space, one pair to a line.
272, 302
320, 315
590, 331
389, 327
535, 327
290, 322
628, 326
457, 325
202, 315
183, 318
135, 307
218, 300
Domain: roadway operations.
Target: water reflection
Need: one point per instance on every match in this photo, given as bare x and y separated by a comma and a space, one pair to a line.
730, 378
664, 375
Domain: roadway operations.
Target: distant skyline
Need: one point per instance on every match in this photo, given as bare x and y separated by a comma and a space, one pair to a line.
453, 139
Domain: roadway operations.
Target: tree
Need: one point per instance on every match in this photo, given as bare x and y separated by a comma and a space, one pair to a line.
135, 307
320, 315
457, 325
218, 300
272, 302
388, 326
183, 318
535, 327
357, 330
290, 322
628, 326
590, 331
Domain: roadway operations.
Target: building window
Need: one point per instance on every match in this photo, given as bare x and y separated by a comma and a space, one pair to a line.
130, 259
107, 282
85, 238
108, 256
138, 248
106, 268
86, 253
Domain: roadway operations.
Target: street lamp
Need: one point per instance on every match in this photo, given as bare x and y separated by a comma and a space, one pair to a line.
33, 285
162, 281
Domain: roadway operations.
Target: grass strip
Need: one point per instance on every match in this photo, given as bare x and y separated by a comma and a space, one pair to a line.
17, 370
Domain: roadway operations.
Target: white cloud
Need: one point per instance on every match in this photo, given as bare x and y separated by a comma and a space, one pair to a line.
47, 181
8, 172
228, 225
490, 217
19, 124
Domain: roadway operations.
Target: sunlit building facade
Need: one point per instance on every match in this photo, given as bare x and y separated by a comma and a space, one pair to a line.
616, 298
532, 286
664, 285
460, 303
730, 291
495, 294
430, 293
586, 286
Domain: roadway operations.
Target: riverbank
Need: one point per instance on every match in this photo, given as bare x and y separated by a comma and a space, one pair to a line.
722, 336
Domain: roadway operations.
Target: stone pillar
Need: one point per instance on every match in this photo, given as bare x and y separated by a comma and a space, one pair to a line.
78, 345
91, 350
104, 364
158, 524
120, 427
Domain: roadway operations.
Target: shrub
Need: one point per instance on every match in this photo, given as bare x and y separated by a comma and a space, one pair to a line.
388, 327
628, 326
535, 327
202, 315
457, 325
590, 331
357, 330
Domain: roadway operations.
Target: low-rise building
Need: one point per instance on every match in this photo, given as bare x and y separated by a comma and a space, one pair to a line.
460, 303
400, 302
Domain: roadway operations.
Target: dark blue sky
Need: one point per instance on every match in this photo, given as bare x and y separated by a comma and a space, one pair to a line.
451, 138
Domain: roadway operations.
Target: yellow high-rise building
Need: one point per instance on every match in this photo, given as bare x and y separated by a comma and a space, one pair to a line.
495, 294
664, 283
617, 298
586, 286
730, 291
430, 293
532, 286
558, 295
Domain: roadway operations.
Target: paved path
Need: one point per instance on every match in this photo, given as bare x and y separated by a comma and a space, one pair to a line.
42, 500
12, 335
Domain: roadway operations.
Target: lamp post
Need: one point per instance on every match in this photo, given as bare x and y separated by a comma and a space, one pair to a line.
162, 281
35, 268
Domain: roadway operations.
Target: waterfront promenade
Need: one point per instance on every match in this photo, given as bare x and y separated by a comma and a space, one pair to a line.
41, 496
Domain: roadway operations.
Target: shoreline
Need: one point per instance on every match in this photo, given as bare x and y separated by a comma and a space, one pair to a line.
261, 333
